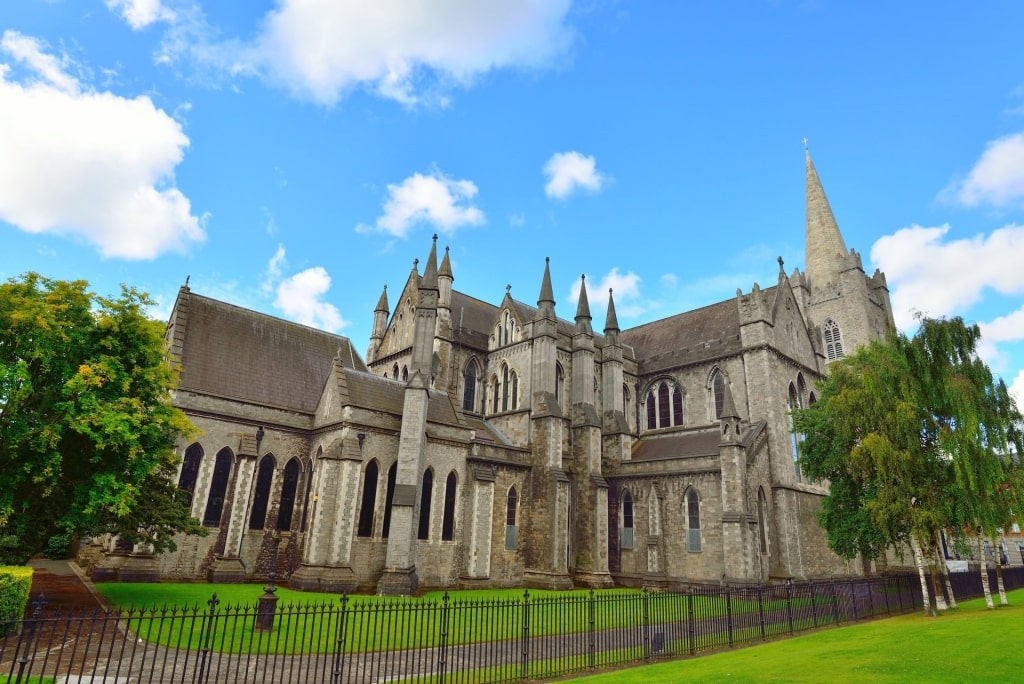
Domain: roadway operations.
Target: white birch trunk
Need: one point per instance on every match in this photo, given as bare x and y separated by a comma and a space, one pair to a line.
983, 563
944, 569
925, 594
999, 572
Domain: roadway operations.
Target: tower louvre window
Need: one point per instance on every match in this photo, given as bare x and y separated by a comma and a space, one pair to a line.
833, 340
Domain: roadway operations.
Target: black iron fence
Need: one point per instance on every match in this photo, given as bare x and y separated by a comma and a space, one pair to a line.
366, 639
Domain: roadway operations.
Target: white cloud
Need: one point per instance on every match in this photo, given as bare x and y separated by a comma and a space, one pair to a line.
1017, 389
927, 273
141, 13
626, 290
567, 172
90, 164
434, 199
300, 298
275, 269
998, 176
320, 49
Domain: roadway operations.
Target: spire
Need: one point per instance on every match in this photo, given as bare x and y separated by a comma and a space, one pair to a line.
825, 246
728, 404
546, 301
446, 267
382, 303
429, 281
611, 321
583, 308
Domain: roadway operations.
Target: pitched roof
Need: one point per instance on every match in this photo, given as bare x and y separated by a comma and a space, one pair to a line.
678, 339
367, 390
236, 353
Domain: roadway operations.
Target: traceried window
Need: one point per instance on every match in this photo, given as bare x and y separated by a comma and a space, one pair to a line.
448, 520
717, 386
264, 478
388, 498
426, 494
218, 488
369, 501
664, 405
289, 486
626, 536
692, 520
511, 529
833, 340
469, 386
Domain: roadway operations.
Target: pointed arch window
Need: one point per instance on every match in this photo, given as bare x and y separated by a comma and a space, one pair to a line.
394, 371
289, 487
369, 500
389, 496
717, 393
663, 405
833, 340
692, 520
511, 529
504, 387
308, 490
794, 437
625, 399
405, 373
514, 390
762, 519
448, 519
218, 488
469, 386
626, 535
190, 471
264, 478
426, 495
559, 382
494, 394
677, 406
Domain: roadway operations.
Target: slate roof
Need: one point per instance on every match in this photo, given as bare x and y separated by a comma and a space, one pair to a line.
235, 353
677, 445
377, 393
709, 331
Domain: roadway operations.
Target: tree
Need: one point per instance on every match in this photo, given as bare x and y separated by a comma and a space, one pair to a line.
86, 417
915, 438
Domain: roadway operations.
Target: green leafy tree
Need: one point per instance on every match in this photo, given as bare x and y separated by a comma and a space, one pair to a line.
915, 437
86, 418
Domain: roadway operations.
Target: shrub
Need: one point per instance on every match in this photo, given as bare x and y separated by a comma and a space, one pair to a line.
15, 583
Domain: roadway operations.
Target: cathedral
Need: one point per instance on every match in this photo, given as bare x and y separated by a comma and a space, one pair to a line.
498, 445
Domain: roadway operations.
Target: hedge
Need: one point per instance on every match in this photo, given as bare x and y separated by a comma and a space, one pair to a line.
15, 583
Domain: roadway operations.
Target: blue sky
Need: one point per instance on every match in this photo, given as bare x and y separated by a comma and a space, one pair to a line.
295, 157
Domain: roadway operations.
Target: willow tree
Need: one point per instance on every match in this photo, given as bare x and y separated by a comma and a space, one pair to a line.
915, 438
86, 419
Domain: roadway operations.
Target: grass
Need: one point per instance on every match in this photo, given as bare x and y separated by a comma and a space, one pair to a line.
8, 679
970, 644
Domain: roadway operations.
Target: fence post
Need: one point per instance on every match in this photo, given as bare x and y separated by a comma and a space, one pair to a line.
760, 611
442, 663
885, 594
524, 667
814, 607
646, 633
206, 638
728, 612
835, 598
339, 643
592, 646
789, 602
691, 622
26, 656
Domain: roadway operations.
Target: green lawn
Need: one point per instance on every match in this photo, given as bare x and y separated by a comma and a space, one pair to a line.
970, 644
